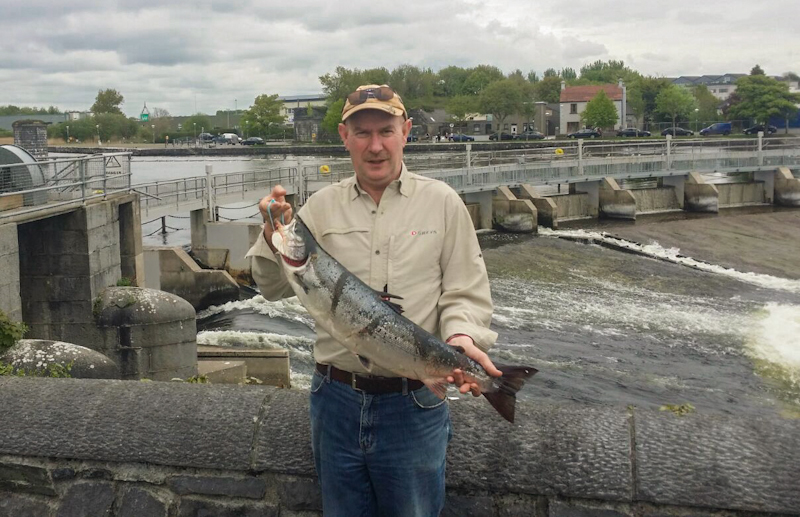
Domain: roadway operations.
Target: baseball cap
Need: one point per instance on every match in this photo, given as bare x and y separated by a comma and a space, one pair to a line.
374, 96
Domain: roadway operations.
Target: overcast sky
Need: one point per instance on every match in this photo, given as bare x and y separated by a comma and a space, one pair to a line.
204, 55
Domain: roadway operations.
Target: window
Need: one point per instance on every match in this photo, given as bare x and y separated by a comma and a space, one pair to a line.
573, 109
476, 128
505, 126
723, 90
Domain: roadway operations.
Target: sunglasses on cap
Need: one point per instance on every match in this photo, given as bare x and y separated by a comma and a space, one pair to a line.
382, 93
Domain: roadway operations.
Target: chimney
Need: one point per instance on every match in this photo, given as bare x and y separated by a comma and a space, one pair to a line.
563, 84
623, 123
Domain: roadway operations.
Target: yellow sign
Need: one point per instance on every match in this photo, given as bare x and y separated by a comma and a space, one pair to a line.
324, 169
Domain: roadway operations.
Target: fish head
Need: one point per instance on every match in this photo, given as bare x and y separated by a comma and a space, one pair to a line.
291, 241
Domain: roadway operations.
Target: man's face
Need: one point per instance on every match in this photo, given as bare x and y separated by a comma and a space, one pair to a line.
375, 141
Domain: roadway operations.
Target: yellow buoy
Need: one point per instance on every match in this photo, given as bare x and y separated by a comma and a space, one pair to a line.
560, 151
324, 169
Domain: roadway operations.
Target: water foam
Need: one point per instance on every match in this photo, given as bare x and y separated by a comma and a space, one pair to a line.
774, 344
287, 308
673, 255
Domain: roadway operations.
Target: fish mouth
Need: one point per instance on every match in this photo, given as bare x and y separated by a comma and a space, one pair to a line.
294, 262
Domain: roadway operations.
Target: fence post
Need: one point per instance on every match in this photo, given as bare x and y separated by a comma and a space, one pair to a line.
669, 151
760, 148
580, 156
209, 192
82, 174
469, 164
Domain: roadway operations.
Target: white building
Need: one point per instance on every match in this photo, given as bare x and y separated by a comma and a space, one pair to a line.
574, 99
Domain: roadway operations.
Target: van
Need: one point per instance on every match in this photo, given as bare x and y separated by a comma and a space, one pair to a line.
231, 138
720, 128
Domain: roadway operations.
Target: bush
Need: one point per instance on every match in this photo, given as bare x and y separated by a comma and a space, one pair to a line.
10, 332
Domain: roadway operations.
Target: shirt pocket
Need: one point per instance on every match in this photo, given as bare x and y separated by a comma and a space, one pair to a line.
414, 261
350, 246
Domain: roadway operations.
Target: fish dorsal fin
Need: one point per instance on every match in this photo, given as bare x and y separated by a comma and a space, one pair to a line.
387, 299
366, 363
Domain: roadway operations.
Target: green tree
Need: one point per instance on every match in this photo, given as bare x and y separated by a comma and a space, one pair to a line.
533, 77
200, 121
756, 70
568, 74
707, 104
606, 72
108, 101
549, 89
675, 102
761, 97
450, 81
647, 89
480, 77
341, 83
330, 123
460, 107
501, 99
264, 116
600, 111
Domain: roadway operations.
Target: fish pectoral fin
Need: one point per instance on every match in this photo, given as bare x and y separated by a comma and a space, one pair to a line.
396, 307
300, 282
437, 386
385, 294
366, 363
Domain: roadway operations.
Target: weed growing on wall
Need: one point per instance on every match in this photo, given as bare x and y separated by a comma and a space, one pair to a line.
10, 332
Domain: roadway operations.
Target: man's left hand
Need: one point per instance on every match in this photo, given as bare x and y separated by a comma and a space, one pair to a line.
473, 352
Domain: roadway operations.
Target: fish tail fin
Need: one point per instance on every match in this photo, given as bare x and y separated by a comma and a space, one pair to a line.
504, 399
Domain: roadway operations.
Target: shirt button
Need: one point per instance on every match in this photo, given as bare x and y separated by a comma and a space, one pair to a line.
373, 211
377, 252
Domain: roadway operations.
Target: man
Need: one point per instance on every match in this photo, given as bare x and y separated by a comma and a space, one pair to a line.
380, 441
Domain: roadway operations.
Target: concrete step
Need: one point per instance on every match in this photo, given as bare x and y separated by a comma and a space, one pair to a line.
223, 372
269, 365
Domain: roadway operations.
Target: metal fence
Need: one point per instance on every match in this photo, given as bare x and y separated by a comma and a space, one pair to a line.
31, 187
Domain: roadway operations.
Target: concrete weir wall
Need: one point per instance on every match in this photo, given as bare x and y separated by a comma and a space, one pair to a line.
655, 199
127, 448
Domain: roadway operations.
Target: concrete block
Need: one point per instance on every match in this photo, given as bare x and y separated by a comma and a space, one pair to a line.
700, 196
787, 188
16, 505
103, 279
103, 236
271, 366
223, 372
191, 507
101, 214
162, 333
55, 288
101, 259
9, 244
70, 242
615, 202
173, 360
249, 487
152, 268
474, 506
584, 509
718, 462
67, 265
10, 301
59, 312
300, 495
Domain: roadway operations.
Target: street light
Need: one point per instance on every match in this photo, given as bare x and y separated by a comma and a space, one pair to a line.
195, 132
67, 134
154, 133
98, 134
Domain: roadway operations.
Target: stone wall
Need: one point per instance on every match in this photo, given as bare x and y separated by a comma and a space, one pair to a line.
125, 448
738, 194
649, 200
10, 302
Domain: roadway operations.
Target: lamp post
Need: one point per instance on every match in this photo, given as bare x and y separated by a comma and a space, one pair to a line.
98, 134
696, 111
195, 132
154, 133
67, 134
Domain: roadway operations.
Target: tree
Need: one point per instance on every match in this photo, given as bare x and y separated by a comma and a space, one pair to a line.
533, 77
264, 116
480, 77
332, 117
200, 121
606, 72
459, 107
549, 89
675, 101
791, 76
756, 70
450, 81
108, 101
648, 89
568, 74
600, 111
760, 97
550, 72
501, 99
707, 103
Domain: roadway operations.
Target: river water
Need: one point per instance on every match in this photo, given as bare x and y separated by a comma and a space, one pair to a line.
646, 327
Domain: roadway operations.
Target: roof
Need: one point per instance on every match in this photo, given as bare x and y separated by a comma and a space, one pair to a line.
587, 93
295, 98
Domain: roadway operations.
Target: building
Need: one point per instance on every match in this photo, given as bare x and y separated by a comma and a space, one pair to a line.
291, 103
574, 99
720, 86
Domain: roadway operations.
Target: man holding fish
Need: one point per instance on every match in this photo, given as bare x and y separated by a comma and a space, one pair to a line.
385, 262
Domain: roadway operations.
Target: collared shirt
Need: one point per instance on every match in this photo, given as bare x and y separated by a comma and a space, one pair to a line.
419, 243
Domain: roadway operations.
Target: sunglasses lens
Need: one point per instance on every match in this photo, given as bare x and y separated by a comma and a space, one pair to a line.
384, 93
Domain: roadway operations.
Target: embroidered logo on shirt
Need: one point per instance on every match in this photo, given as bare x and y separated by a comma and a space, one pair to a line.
414, 233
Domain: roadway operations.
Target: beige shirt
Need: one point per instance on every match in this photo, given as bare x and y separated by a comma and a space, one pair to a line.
420, 242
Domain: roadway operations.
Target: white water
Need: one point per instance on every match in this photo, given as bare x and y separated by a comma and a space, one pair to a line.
655, 250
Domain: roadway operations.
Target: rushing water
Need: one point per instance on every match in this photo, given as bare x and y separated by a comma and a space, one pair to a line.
646, 327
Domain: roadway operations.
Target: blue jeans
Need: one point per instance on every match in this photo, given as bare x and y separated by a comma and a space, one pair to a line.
378, 454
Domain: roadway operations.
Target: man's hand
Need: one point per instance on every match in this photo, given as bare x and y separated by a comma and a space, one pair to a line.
274, 211
476, 354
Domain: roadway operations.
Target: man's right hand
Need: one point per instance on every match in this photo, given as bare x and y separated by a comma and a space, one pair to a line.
274, 211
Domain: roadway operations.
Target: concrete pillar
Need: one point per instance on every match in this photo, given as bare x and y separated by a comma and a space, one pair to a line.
787, 188
199, 232
677, 183
130, 242
546, 208
10, 301
700, 196
512, 214
484, 199
615, 202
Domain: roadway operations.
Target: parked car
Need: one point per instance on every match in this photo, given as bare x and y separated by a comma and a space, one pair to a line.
205, 137
586, 133
412, 138
253, 140
529, 135
460, 137
219, 140
720, 128
677, 131
760, 127
501, 135
632, 131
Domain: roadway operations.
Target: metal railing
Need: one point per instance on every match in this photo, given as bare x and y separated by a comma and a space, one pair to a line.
32, 187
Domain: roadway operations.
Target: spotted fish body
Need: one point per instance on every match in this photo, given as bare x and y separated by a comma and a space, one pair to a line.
368, 324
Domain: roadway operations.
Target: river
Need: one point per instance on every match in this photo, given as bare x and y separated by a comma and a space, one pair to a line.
714, 323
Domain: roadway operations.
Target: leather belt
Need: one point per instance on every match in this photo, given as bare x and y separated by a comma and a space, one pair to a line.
371, 385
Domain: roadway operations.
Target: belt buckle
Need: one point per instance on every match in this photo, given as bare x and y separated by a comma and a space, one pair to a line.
354, 381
